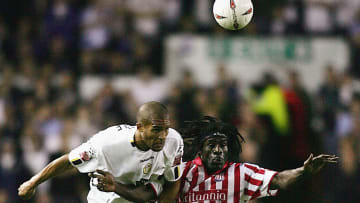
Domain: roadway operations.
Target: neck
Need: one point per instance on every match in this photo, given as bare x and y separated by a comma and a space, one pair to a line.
139, 141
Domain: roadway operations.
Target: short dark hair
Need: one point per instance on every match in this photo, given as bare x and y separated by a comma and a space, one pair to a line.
151, 110
196, 132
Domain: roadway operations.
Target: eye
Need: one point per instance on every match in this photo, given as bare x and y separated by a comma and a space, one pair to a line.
156, 130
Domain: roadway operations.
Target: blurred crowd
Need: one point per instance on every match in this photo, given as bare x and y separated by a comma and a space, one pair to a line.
47, 46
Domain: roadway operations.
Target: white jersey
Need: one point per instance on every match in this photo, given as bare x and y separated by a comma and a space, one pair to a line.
113, 150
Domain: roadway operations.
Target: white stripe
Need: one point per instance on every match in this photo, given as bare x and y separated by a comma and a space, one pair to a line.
230, 192
242, 182
207, 186
189, 177
201, 177
208, 183
219, 184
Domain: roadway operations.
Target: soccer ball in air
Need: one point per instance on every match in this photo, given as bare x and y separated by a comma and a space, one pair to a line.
233, 14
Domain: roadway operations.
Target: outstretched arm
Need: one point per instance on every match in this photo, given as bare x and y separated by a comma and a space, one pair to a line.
312, 165
56, 167
106, 183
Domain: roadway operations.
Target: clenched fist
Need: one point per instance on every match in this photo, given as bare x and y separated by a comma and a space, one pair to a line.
105, 181
26, 190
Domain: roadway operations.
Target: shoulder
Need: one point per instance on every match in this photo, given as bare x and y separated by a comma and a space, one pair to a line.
114, 134
118, 130
174, 139
174, 144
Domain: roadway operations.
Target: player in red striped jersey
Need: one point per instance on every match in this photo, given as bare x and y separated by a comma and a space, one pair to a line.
216, 175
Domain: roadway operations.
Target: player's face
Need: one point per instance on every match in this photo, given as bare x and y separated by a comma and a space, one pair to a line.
214, 153
155, 135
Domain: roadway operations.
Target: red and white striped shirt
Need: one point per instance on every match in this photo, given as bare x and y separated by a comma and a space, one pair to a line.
235, 182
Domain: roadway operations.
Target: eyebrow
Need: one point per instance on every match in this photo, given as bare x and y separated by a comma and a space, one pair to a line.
160, 121
222, 140
157, 127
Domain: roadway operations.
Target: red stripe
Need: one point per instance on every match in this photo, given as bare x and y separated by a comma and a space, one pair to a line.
195, 177
255, 169
202, 185
213, 186
188, 166
152, 186
253, 194
253, 180
237, 183
225, 182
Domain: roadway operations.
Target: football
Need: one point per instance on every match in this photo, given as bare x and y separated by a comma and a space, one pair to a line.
233, 14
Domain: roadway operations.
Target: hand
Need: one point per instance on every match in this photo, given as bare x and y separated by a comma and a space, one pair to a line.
26, 190
314, 164
106, 181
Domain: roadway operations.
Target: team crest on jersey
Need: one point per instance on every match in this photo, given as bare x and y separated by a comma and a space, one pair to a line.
219, 177
147, 168
84, 156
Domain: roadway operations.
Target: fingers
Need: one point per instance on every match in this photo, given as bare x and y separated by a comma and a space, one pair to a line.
101, 172
26, 191
309, 159
311, 156
327, 158
93, 175
100, 186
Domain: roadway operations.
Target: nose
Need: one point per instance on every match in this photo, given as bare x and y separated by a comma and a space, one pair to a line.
217, 149
163, 135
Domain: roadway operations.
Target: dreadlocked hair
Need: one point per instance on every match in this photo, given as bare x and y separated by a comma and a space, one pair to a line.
195, 132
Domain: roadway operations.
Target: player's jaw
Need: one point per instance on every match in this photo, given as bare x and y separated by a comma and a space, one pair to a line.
158, 146
158, 143
216, 162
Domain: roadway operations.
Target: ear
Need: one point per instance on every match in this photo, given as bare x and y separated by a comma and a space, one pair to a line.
140, 127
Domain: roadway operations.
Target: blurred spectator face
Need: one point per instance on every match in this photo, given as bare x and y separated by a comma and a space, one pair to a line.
294, 79
331, 76
57, 46
60, 9
7, 156
202, 98
3, 196
145, 74
348, 161
220, 93
187, 80
41, 90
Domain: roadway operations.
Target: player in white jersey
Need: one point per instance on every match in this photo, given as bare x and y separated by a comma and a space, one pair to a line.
125, 163
216, 175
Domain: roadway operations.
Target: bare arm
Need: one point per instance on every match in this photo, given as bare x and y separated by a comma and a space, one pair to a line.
171, 190
56, 167
133, 193
286, 179
107, 183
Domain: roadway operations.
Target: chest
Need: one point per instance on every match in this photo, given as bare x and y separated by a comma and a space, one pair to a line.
134, 167
198, 187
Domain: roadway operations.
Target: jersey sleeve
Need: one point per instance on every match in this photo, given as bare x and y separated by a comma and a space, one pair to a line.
84, 157
173, 170
87, 157
257, 182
